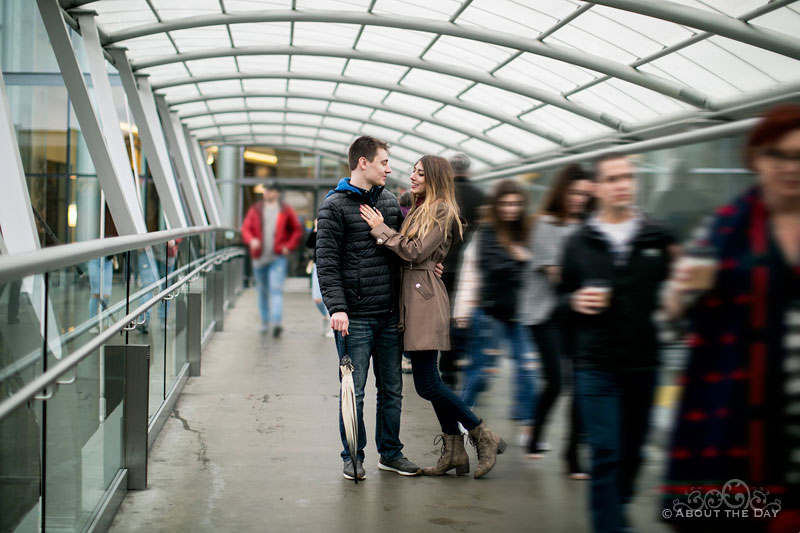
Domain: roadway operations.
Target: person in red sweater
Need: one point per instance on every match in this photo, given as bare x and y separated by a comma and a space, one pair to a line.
271, 230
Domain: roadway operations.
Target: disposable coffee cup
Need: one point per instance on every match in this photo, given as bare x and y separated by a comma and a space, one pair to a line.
601, 287
699, 264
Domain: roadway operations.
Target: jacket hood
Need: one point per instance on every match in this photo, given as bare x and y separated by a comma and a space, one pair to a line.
346, 187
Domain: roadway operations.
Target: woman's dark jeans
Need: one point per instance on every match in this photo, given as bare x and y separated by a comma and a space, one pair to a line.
449, 408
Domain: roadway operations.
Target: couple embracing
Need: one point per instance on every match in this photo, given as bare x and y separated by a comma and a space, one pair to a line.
377, 277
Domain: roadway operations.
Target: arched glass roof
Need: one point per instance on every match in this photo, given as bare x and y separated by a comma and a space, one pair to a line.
508, 82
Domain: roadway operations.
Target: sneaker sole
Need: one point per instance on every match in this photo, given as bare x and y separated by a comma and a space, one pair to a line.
352, 478
382, 466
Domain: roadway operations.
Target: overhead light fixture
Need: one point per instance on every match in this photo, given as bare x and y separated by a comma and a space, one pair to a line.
128, 128
257, 157
72, 215
212, 149
210, 159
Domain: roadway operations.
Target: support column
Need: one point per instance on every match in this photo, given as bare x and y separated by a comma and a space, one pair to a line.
229, 168
115, 177
143, 107
180, 158
201, 173
137, 389
219, 298
16, 216
194, 329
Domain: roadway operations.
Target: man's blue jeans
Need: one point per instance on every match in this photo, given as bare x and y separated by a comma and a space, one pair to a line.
377, 337
615, 410
269, 283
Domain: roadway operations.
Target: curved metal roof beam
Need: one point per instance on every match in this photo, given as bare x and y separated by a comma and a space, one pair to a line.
282, 146
454, 102
407, 61
533, 46
321, 128
722, 25
338, 130
352, 101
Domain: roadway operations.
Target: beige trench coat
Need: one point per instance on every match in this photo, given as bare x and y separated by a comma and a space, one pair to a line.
424, 307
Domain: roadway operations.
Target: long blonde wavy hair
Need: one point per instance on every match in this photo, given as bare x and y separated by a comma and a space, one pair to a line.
439, 188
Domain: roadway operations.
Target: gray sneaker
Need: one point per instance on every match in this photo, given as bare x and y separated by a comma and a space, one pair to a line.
401, 465
348, 470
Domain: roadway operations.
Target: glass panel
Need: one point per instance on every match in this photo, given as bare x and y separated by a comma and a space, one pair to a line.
385, 134
306, 104
20, 332
83, 443
364, 93
20, 466
231, 118
439, 10
219, 87
212, 65
467, 53
520, 140
201, 38
272, 33
225, 103
438, 132
262, 63
395, 119
421, 145
393, 41
419, 105
509, 16
327, 34
439, 83
779, 67
320, 65
511, 103
370, 69
466, 119
295, 118
545, 73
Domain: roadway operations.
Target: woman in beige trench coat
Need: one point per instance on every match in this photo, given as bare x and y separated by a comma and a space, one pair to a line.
423, 241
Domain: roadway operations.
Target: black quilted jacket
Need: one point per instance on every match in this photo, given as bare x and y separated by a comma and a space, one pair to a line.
356, 275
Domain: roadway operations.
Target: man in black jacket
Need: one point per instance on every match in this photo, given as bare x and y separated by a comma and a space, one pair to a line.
469, 199
359, 283
612, 271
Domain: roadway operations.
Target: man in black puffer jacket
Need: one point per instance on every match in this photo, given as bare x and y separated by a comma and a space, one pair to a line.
359, 284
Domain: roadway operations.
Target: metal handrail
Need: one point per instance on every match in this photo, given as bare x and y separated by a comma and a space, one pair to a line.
34, 356
47, 382
18, 266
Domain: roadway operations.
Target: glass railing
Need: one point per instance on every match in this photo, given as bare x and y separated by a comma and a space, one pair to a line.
70, 319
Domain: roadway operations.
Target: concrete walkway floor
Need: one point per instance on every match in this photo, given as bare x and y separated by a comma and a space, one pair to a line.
253, 445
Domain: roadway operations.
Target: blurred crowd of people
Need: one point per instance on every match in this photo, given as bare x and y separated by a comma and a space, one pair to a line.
569, 289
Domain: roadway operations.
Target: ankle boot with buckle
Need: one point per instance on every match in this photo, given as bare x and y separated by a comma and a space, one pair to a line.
488, 445
453, 456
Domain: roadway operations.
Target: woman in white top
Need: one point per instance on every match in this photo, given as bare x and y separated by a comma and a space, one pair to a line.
562, 210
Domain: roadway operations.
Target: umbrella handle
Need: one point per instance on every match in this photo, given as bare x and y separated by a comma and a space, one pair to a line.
341, 344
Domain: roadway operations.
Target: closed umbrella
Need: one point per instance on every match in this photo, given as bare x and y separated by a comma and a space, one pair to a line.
348, 399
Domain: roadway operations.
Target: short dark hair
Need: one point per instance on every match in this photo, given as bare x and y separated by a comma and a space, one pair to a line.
272, 185
608, 156
776, 123
364, 146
